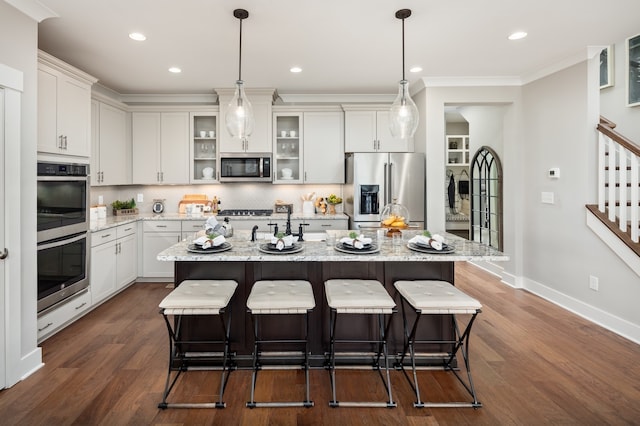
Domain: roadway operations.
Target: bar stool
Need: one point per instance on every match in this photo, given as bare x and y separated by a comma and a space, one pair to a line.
368, 297
197, 297
431, 297
280, 297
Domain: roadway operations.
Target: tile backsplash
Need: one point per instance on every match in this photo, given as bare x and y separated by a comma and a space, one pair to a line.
231, 195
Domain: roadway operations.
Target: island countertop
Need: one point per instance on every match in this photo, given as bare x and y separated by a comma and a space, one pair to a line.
244, 250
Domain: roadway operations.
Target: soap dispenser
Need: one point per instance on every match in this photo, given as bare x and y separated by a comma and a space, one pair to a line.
228, 229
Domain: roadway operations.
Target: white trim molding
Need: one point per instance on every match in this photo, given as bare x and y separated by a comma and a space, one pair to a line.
33, 9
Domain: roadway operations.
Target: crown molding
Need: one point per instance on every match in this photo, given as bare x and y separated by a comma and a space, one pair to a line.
170, 99
33, 9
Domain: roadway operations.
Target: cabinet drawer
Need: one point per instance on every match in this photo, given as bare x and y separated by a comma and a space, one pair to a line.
162, 226
104, 236
124, 230
323, 225
193, 225
55, 319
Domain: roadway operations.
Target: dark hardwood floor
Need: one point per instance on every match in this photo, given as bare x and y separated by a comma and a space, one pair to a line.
533, 363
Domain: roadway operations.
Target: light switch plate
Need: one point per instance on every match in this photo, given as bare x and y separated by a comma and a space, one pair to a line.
554, 173
547, 197
140, 198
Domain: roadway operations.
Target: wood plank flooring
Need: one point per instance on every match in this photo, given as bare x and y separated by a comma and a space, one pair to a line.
533, 363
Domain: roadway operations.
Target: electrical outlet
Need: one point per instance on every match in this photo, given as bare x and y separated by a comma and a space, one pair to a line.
140, 198
593, 283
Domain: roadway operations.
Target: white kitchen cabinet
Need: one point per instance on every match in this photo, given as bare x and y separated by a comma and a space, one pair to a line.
64, 108
113, 261
160, 142
367, 130
203, 147
158, 235
324, 147
457, 150
288, 145
316, 153
56, 319
110, 146
260, 139
319, 225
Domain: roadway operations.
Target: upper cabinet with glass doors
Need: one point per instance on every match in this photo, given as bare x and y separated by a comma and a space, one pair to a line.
203, 147
287, 148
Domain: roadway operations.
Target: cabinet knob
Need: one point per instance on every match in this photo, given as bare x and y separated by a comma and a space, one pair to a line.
4, 254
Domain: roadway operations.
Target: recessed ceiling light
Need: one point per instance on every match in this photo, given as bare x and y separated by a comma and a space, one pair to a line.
518, 35
137, 36
415, 69
175, 70
295, 69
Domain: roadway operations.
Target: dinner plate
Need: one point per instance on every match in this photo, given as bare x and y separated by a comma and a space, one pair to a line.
345, 248
271, 249
217, 249
422, 249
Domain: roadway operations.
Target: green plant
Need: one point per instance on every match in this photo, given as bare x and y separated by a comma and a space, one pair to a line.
119, 205
334, 199
353, 235
427, 234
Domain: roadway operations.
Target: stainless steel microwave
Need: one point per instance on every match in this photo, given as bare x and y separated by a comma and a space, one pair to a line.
245, 167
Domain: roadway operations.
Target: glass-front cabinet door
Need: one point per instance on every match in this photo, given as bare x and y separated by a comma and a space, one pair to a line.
287, 148
203, 147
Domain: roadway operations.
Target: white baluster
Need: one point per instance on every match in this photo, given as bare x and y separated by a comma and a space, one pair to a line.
611, 196
622, 188
635, 198
602, 143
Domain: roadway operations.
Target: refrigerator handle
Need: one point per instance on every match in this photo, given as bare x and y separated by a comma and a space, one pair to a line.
390, 183
385, 194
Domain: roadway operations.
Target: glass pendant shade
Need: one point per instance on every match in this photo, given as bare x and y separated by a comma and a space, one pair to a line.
403, 115
239, 116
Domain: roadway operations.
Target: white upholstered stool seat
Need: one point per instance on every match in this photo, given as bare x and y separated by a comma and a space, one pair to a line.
364, 297
189, 298
358, 296
437, 297
433, 297
199, 297
280, 297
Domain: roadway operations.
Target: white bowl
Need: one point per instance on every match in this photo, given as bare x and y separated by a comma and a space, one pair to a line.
286, 172
207, 172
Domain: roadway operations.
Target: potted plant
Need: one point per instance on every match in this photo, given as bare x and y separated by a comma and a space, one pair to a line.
332, 201
124, 207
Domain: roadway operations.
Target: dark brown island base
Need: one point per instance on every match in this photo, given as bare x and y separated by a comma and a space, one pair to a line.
317, 262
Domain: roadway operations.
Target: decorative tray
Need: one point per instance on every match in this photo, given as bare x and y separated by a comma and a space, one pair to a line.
217, 249
446, 249
367, 249
271, 248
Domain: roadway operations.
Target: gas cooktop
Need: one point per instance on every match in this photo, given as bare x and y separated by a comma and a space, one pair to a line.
244, 212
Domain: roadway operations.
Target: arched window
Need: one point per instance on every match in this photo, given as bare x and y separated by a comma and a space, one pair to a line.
486, 198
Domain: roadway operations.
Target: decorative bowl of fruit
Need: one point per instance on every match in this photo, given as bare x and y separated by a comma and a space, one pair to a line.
394, 217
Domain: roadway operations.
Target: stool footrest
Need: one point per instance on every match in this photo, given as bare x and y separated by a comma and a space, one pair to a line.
362, 404
305, 404
193, 405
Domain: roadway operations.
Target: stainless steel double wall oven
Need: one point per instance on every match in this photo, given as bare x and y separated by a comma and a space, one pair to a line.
63, 226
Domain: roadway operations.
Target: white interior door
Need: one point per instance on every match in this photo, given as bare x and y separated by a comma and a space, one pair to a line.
2, 247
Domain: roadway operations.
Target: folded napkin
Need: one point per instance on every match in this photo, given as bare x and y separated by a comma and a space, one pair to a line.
211, 226
359, 242
435, 241
280, 243
207, 242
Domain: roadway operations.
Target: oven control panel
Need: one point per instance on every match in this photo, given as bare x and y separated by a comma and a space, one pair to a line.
61, 169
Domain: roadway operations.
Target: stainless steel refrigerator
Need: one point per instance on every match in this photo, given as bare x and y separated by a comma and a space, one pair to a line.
375, 179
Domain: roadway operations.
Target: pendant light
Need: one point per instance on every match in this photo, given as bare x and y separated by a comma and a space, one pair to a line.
403, 115
239, 116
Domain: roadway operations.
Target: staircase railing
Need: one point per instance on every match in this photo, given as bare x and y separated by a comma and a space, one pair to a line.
619, 179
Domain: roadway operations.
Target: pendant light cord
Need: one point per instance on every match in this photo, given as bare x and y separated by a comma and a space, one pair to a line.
240, 54
402, 48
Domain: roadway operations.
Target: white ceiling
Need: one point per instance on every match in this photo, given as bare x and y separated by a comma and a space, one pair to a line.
343, 46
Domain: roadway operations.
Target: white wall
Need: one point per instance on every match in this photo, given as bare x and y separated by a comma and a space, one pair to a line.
18, 50
432, 142
560, 252
613, 99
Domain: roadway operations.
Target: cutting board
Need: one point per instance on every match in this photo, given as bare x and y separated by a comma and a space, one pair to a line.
192, 199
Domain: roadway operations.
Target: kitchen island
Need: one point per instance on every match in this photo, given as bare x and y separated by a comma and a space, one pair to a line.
316, 263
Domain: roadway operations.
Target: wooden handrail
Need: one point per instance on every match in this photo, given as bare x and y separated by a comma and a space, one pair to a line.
605, 127
607, 122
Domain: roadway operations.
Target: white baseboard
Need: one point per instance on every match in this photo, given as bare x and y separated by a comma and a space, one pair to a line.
604, 319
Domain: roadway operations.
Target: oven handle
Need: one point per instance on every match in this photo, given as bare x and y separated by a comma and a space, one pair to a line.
63, 178
62, 242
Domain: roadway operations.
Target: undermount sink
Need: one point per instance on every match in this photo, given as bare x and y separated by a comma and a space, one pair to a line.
307, 236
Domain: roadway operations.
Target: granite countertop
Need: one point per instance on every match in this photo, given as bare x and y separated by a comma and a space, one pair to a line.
243, 250
112, 221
